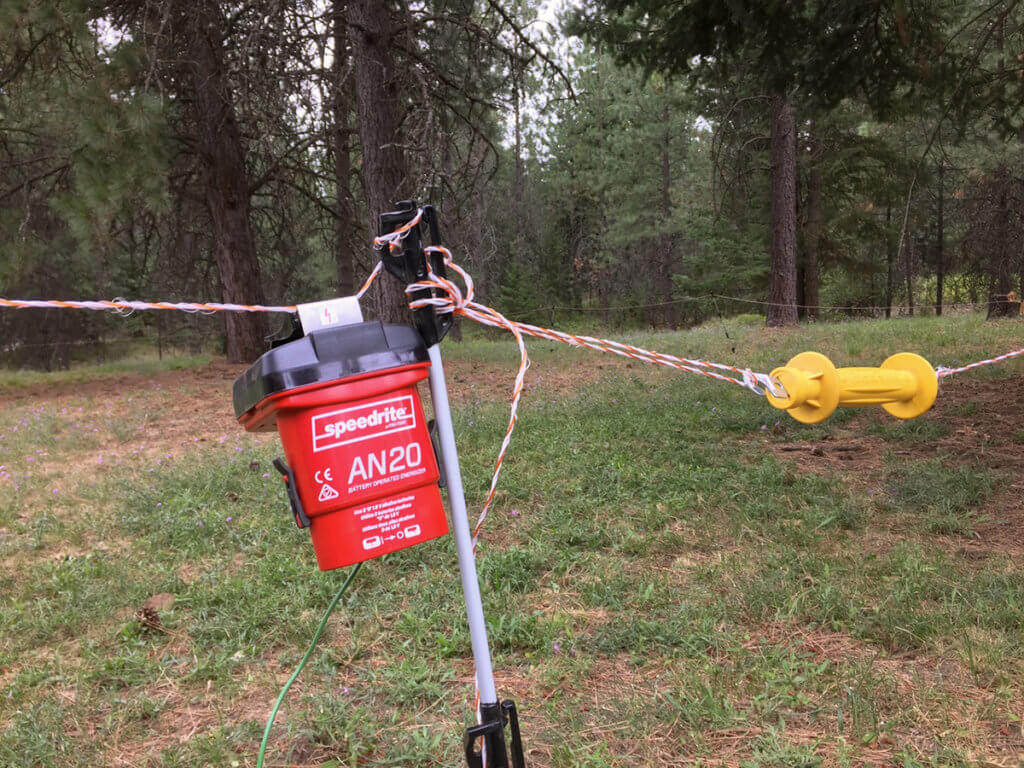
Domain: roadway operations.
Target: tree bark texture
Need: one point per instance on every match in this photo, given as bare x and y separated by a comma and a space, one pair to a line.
890, 258
517, 183
908, 272
812, 236
667, 258
379, 104
782, 308
344, 211
226, 186
940, 244
1000, 272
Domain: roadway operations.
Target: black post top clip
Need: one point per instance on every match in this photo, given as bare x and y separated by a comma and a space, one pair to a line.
408, 263
493, 719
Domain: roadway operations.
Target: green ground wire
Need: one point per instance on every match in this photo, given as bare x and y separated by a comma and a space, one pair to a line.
305, 658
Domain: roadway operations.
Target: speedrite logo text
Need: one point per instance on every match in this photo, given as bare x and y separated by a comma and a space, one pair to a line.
363, 422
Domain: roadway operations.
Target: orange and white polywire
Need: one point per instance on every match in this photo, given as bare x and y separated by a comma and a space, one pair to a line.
370, 279
455, 302
942, 371
448, 297
392, 239
125, 305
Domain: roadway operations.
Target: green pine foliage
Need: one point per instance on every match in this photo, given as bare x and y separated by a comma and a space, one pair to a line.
639, 198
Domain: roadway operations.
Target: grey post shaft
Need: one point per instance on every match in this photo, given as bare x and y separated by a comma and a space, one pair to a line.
463, 537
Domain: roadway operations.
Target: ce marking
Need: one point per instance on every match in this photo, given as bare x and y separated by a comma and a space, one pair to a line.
323, 476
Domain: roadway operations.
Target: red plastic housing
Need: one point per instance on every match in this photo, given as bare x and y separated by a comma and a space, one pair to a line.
363, 462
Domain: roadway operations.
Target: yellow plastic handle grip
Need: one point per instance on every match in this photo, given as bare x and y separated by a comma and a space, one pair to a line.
905, 385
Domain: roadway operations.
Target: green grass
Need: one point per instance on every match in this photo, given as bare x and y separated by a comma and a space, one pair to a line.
145, 363
942, 497
920, 431
948, 341
657, 585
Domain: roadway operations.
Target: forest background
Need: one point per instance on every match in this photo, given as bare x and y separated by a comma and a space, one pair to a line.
618, 163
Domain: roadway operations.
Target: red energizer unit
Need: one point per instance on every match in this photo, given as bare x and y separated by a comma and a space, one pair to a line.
361, 471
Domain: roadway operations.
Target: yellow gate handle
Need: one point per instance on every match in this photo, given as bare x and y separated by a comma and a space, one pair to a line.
905, 385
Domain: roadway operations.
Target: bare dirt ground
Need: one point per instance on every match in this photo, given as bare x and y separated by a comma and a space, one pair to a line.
202, 395
986, 430
157, 418
149, 420
164, 416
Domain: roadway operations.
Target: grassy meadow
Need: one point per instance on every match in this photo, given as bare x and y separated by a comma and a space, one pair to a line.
674, 573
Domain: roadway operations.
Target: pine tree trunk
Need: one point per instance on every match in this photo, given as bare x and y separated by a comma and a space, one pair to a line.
999, 274
890, 257
782, 308
812, 236
517, 181
378, 101
940, 246
344, 208
1002, 267
908, 273
668, 254
226, 186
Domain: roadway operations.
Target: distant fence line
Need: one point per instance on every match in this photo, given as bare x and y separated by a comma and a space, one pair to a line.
194, 340
717, 305
59, 354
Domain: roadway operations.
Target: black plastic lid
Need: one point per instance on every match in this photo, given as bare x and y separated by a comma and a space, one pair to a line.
327, 355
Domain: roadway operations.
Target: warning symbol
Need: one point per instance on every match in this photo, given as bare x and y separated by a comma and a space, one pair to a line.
327, 493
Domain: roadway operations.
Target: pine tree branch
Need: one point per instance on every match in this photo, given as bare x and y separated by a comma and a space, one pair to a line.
978, 50
34, 179
533, 46
20, 65
280, 159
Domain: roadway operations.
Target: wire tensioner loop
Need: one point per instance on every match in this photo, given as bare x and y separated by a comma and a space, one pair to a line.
905, 385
